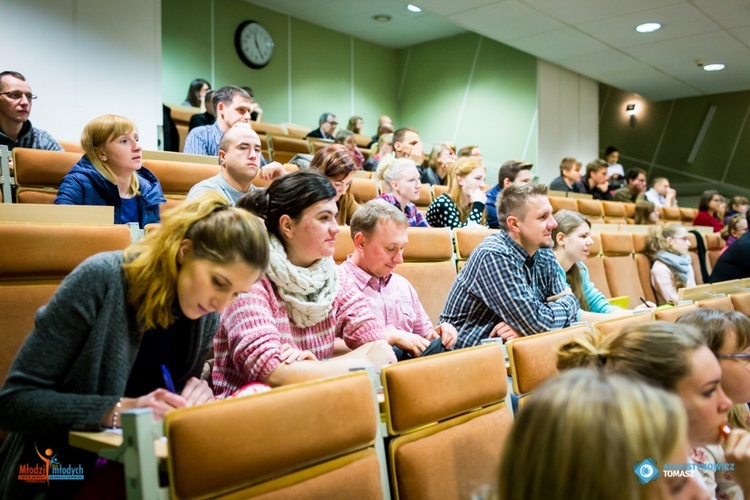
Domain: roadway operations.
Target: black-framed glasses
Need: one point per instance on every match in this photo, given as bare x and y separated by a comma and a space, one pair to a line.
739, 355
17, 95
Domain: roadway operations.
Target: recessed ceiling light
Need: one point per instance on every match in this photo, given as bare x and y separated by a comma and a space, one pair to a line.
713, 67
413, 8
647, 27
381, 18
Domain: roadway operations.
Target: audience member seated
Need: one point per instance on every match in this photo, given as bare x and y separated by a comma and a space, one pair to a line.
97, 349
581, 433
596, 180
197, 93
738, 205
615, 171
635, 188
572, 240
673, 357
400, 181
471, 151
671, 266
570, 177
661, 194
645, 213
406, 144
355, 125
383, 147
442, 158
379, 233
463, 204
326, 127
349, 141
385, 126
336, 163
302, 301
511, 286
239, 156
735, 228
231, 105
256, 112
728, 336
710, 211
110, 173
16, 130
734, 263
207, 117
511, 171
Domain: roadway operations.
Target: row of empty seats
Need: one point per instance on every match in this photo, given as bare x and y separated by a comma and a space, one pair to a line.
616, 212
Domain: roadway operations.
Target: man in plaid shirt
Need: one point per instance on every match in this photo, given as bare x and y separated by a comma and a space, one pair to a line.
510, 285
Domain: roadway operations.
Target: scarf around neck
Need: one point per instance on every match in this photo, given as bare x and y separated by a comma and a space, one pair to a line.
307, 292
679, 264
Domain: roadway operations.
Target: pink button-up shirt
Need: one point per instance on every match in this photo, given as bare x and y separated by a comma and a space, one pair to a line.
392, 299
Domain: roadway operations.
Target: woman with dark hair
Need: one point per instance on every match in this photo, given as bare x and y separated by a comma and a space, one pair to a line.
197, 93
99, 347
335, 162
356, 123
709, 210
349, 140
303, 300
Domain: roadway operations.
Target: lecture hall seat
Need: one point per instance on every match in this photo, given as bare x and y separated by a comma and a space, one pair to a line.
448, 420
309, 440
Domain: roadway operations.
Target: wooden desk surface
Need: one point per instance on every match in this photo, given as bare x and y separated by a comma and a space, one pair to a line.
97, 441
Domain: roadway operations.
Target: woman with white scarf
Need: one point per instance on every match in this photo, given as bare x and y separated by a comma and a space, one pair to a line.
672, 267
302, 304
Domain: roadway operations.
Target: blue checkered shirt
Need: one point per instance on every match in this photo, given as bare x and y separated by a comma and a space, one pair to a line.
501, 282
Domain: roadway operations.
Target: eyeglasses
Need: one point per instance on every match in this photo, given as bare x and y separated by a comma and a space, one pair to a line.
683, 238
334, 123
740, 355
16, 95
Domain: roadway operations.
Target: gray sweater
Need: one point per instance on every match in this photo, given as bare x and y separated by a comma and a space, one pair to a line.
74, 365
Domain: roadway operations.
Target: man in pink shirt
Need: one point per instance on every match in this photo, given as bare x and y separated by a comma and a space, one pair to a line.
379, 231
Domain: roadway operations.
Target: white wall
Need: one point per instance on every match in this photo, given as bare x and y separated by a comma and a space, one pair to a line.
568, 118
85, 58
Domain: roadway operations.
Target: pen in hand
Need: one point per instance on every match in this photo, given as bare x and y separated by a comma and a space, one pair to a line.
168, 379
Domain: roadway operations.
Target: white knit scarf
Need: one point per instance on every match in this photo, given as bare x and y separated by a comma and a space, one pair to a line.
308, 292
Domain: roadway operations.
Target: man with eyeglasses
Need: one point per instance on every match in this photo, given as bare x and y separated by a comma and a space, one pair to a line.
327, 126
15, 107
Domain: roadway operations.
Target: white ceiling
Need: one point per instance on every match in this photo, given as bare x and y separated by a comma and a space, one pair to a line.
595, 38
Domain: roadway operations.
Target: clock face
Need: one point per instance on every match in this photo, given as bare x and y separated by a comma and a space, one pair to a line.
254, 44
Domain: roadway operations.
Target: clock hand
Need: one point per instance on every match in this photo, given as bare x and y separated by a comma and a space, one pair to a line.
255, 39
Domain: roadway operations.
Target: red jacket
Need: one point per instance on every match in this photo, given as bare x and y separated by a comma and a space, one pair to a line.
706, 219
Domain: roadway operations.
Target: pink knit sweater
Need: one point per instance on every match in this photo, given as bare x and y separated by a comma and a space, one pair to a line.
248, 345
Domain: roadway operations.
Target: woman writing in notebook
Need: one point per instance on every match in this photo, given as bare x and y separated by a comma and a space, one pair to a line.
98, 348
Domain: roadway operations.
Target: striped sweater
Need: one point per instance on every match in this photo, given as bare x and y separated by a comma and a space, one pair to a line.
248, 345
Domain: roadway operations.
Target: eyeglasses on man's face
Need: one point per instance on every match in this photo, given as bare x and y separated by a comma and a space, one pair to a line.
739, 355
16, 95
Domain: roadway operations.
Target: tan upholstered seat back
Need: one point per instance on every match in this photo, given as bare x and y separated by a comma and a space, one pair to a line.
591, 209
615, 325
643, 265
259, 438
533, 359
723, 303
286, 148
622, 274
559, 203
614, 212
672, 314
741, 302
363, 190
595, 264
461, 393
431, 389
432, 281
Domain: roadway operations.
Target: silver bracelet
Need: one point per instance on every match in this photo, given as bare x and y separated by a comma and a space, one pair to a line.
116, 414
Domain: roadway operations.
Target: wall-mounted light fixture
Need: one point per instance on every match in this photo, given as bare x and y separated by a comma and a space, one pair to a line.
630, 109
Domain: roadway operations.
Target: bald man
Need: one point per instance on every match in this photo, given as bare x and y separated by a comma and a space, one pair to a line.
240, 158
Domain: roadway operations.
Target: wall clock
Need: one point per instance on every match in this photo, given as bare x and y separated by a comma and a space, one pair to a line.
254, 44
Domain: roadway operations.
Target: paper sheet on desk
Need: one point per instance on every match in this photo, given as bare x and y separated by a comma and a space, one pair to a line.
114, 431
